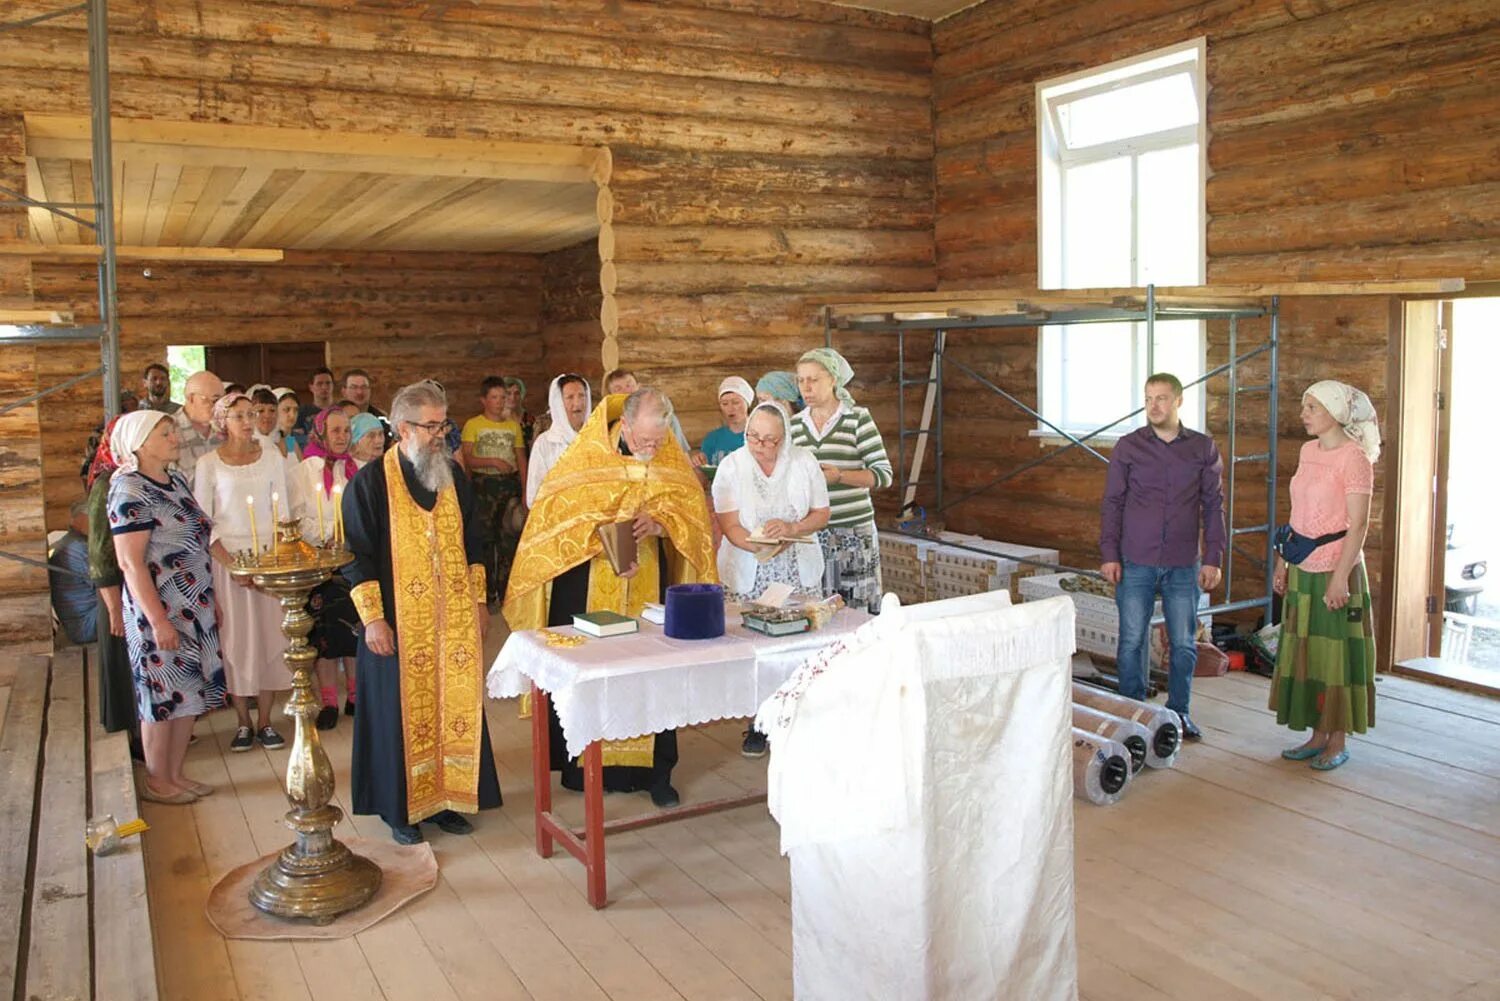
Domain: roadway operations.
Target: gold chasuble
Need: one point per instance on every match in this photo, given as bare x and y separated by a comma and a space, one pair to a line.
592, 485
438, 645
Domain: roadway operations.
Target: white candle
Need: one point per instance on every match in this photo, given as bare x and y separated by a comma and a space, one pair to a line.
254, 536
274, 498
321, 537
338, 515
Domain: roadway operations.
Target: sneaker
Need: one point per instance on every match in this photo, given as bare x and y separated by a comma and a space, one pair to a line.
269, 738
244, 739
754, 745
328, 717
452, 822
406, 834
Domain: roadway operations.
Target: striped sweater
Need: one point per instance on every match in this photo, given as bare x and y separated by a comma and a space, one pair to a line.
852, 442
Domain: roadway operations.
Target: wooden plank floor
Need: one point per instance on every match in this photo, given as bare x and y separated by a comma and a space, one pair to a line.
1235, 876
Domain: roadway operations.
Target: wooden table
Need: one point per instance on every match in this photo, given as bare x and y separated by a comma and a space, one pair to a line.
724, 678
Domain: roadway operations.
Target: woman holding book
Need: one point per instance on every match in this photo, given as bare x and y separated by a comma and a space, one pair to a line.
768, 496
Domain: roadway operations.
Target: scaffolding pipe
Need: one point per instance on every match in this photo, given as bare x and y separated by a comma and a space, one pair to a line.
1234, 458
27, 22
66, 384
1273, 430
103, 169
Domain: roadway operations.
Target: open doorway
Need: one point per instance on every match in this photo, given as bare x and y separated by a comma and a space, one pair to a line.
1471, 599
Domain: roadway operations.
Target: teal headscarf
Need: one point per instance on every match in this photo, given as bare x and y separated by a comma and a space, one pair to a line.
837, 366
361, 425
780, 386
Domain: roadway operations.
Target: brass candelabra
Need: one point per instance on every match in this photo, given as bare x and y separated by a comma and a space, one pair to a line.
317, 877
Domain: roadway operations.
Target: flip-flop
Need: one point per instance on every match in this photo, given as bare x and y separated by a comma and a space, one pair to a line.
1301, 753
1329, 764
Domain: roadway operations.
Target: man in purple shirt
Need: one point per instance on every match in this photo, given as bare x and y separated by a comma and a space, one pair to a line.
1165, 484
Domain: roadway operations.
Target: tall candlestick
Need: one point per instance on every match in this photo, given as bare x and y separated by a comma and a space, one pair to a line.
254, 536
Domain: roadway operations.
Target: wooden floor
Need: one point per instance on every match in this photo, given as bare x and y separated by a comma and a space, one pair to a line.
1235, 876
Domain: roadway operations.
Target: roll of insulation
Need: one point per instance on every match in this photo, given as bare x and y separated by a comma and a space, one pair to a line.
1135, 737
1164, 724
1101, 767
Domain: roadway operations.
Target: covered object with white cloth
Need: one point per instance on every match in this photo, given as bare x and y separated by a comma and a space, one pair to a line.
922, 774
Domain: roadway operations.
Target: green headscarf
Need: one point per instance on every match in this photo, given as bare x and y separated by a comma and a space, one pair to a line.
780, 386
837, 366
518, 382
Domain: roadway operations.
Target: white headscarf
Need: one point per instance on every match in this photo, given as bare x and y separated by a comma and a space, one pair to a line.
130, 433
561, 427
1353, 411
734, 384
281, 391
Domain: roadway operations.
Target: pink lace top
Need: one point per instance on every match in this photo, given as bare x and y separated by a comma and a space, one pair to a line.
1324, 479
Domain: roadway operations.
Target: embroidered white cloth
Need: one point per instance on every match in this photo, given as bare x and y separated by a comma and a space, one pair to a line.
922, 772
646, 682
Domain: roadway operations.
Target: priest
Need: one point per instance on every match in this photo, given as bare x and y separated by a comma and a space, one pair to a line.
623, 466
421, 748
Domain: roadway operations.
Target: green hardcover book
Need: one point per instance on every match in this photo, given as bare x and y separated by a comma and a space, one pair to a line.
605, 624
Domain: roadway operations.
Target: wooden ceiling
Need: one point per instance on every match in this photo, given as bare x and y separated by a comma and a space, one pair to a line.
190, 186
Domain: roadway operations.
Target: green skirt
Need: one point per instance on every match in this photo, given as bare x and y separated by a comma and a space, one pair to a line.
1325, 661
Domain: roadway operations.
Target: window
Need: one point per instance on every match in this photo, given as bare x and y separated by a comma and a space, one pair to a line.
1121, 203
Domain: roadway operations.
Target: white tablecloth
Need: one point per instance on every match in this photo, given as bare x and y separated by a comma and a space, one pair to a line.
627, 686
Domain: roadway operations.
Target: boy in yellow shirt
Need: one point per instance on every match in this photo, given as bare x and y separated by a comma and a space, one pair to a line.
495, 456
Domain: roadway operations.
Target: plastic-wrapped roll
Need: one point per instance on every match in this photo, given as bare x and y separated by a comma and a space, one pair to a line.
1135, 737
1101, 767
1164, 724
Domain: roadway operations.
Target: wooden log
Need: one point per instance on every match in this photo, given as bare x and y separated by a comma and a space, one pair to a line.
980, 21
1479, 259
771, 245
181, 281
698, 279
679, 207
20, 750
1462, 214
726, 172
47, 88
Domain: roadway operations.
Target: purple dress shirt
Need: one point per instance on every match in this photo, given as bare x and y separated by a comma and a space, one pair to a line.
1158, 495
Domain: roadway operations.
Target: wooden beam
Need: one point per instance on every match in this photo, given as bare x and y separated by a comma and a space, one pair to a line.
190, 144
89, 252
968, 299
20, 316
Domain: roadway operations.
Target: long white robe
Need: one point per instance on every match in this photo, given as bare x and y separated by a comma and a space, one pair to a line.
922, 775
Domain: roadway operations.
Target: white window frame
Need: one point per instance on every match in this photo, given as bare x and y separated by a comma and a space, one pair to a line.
1052, 157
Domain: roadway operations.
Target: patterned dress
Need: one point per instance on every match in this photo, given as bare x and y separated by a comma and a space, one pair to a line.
188, 681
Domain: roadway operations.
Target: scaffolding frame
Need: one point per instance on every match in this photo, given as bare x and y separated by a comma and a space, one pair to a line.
888, 321
106, 333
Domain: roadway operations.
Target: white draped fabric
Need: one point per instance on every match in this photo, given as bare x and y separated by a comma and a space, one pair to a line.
922, 773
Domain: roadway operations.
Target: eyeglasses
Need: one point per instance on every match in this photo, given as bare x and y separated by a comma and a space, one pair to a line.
433, 427
757, 439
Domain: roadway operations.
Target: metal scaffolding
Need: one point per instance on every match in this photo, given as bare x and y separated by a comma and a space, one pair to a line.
888, 321
106, 333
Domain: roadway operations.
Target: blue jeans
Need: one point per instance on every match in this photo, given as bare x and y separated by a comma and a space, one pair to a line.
1135, 597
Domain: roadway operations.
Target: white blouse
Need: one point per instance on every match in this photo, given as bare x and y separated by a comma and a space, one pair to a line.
309, 484
223, 490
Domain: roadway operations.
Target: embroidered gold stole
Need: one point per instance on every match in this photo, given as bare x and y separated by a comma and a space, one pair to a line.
592, 483
439, 649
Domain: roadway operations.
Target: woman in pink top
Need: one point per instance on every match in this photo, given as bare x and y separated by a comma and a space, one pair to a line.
1325, 663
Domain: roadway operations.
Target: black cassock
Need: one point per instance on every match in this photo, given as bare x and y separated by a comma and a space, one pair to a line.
378, 760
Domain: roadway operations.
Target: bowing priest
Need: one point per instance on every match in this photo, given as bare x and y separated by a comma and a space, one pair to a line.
623, 466
421, 749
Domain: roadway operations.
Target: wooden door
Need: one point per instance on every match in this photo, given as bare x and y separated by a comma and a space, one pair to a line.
239, 363
1412, 477
1438, 559
287, 363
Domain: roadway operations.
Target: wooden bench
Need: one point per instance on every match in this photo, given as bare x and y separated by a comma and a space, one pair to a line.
72, 926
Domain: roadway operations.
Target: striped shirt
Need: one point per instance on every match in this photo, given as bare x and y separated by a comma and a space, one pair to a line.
851, 441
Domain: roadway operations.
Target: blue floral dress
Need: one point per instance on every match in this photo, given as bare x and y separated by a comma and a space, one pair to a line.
188, 681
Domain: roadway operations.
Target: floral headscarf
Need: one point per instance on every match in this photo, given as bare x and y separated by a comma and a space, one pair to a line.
104, 459
220, 420
317, 447
837, 366
1353, 411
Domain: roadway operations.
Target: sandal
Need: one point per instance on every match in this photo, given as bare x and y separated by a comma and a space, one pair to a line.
1329, 764
1302, 753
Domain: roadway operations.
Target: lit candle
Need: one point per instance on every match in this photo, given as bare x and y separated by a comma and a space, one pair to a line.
274, 498
321, 537
254, 536
338, 515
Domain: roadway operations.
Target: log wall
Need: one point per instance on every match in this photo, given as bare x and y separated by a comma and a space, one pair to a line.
1349, 139
570, 328
762, 148
25, 604
453, 317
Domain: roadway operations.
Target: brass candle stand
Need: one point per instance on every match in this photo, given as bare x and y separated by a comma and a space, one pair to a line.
317, 877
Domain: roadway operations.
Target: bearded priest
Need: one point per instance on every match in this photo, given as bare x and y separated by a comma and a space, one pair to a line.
421, 748
623, 466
